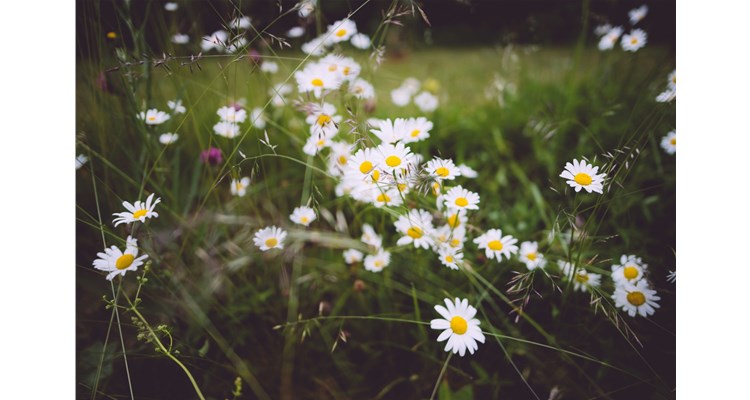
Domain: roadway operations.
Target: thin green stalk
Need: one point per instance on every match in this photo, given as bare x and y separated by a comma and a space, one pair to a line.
440, 377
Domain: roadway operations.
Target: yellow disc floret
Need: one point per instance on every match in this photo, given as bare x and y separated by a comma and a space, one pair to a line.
415, 232
630, 272
459, 325
636, 298
583, 179
495, 245
271, 242
124, 261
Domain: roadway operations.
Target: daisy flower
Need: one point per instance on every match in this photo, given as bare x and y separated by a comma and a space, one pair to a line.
323, 120
400, 97
450, 237
227, 129
306, 7
600, 30
360, 41
672, 79
529, 255
295, 32
456, 218
278, 92
362, 89
153, 116
411, 85
315, 143
459, 326
168, 138
416, 228
176, 106
637, 14
582, 280
170, 6
634, 40
377, 262
669, 142
607, 42
450, 257
496, 245
467, 171
371, 238
239, 188
636, 299
631, 269
315, 47
137, 211
316, 78
426, 102
440, 169
345, 67
303, 215
270, 238
417, 129
390, 131
257, 118
180, 38
459, 198
81, 160
115, 261
244, 22
669, 94
269, 67
394, 156
581, 175
341, 31
232, 114
352, 256
390, 197
216, 41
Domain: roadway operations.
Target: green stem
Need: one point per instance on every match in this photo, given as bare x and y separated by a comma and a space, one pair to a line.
440, 377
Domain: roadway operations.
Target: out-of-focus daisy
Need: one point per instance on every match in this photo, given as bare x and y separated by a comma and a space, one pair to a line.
362, 89
216, 40
257, 118
232, 114
227, 129
153, 116
637, 14
667, 95
278, 92
631, 269
450, 257
269, 67
371, 238
352, 256
669, 142
496, 245
306, 7
341, 31
459, 326
303, 215
180, 38
239, 187
459, 198
400, 97
317, 78
171, 6
467, 171
426, 102
582, 175
607, 42
634, 40
390, 131
377, 262
168, 138
316, 143
244, 22
117, 262
81, 159
442, 169
137, 211
672, 79
338, 158
411, 85
636, 299
600, 30
295, 32
176, 106
584, 280
270, 238
530, 255
315, 47
360, 41
345, 67
416, 227
390, 197
672, 276
417, 129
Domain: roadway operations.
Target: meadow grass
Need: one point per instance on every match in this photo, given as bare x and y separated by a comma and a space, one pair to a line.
300, 323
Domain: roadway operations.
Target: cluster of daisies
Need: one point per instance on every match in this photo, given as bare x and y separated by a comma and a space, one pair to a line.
116, 261
409, 91
272, 237
632, 41
339, 32
153, 117
232, 116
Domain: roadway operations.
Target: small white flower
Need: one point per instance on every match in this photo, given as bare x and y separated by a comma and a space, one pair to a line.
295, 32
601, 30
669, 142
278, 92
459, 326
459, 198
317, 78
630, 270
467, 171
607, 42
179, 38
411, 85
636, 299
417, 129
637, 14
153, 116
362, 89
269, 67
426, 102
450, 257
229, 130
394, 156
257, 118
352, 256
496, 245
231, 114
529, 255
416, 227
581, 175
371, 238
341, 31
400, 97
377, 262
216, 40
137, 211
176, 106
239, 188
634, 40
442, 169
171, 6
669, 94
243, 23
168, 138
303, 215
360, 41
306, 7
270, 238
115, 261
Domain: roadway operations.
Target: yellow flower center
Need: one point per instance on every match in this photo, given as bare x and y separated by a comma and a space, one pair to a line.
636, 298
531, 256
152, 118
378, 263
459, 325
124, 261
342, 160
495, 245
341, 32
436, 188
321, 143
462, 202
442, 171
401, 187
449, 258
583, 179
271, 242
111, 35
304, 220
359, 89
139, 213
332, 67
239, 186
365, 167
634, 41
383, 198
454, 221
455, 243
323, 119
673, 141
347, 70
376, 175
582, 278
317, 82
415, 133
415, 232
393, 161
630, 272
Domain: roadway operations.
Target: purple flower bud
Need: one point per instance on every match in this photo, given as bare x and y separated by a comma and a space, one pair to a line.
212, 156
